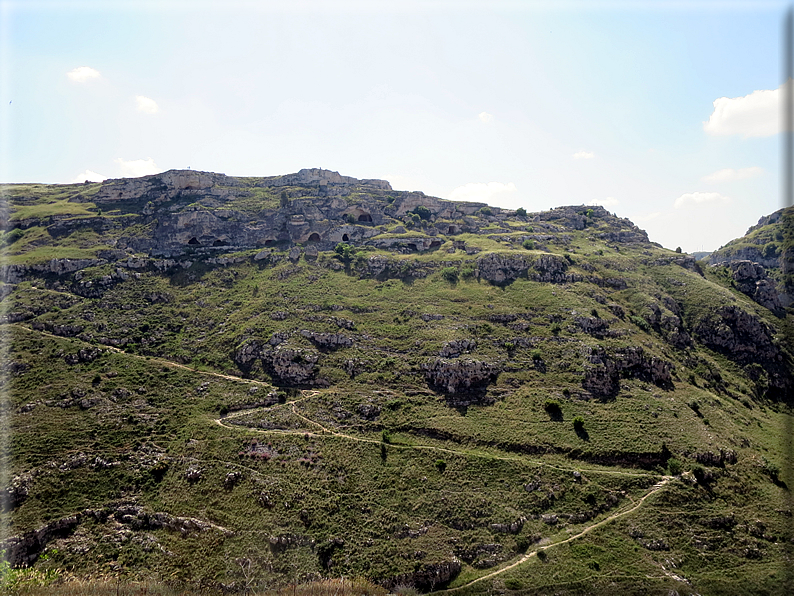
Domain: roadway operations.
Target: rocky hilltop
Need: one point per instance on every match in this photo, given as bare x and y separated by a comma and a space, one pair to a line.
233, 383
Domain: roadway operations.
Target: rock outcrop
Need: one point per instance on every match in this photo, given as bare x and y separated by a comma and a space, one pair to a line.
460, 376
603, 371
752, 279
287, 366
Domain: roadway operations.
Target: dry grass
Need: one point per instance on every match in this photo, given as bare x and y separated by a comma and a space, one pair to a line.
111, 587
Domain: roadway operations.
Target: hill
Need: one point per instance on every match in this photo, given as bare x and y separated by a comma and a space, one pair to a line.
237, 382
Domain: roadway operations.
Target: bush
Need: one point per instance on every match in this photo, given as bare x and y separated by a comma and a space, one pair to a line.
284, 202
675, 466
553, 407
441, 465
521, 212
536, 354
578, 423
529, 244
771, 469
589, 213
641, 323
542, 555
594, 312
556, 328
467, 272
423, 212
770, 251
678, 249
385, 436
450, 274
486, 211
345, 251
12, 236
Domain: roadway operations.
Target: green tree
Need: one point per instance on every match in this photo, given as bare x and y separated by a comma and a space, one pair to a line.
423, 212
345, 251
450, 274
521, 212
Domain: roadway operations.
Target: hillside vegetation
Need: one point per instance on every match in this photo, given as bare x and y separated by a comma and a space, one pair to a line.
244, 383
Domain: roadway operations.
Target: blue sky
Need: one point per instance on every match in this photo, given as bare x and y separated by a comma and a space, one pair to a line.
531, 104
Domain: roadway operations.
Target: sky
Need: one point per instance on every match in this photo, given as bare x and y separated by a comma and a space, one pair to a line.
663, 112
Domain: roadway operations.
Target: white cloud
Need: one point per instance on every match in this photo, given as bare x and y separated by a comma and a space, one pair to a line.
485, 117
481, 192
146, 105
137, 167
88, 175
754, 115
583, 155
83, 74
698, 197
730, 175
607, 202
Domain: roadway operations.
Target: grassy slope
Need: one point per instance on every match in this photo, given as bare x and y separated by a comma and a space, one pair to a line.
395, 506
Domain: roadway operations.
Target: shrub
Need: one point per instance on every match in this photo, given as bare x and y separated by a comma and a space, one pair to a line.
578, 423
423, 212
12, 236
552, 406
594, 312
675, 466
589, 213
536, 354
512, 583
678, 249
521, 212
700, 473
771, 469
345, 251
385, 436
450, 274
530, 229
641, 323
556, 328
529, 244
486, 211
542, 555
284, 202
467, 272
695, 406
389, 199
770, 250
441, 465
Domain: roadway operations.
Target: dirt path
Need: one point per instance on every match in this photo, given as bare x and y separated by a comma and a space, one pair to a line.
324, 432
155, 359
587, 530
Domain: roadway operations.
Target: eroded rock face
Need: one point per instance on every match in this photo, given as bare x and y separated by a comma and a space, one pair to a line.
751, 279
603, 371
427, 577
457, 377
738, 334
328, 341
289, 366
457, 347
501, 269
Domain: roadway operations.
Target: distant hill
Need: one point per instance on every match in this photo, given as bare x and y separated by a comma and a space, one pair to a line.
237, 383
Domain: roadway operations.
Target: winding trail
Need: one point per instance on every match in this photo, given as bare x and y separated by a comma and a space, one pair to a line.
325, 432
588, 529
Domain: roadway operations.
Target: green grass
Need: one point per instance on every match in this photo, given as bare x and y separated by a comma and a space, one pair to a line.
314, 469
